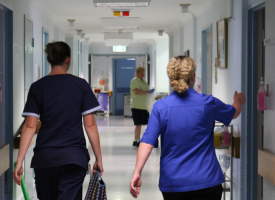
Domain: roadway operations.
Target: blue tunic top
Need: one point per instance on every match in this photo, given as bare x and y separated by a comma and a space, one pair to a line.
185, 122
60, 101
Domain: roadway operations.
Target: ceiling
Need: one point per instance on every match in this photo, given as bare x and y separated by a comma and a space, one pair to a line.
160, 15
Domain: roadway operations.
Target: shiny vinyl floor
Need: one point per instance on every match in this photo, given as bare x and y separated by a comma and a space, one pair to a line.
119, 158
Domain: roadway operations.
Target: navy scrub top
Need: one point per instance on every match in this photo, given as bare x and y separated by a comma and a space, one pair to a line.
185, 122
60, 101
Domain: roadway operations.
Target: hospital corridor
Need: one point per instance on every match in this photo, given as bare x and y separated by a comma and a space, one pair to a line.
137, 99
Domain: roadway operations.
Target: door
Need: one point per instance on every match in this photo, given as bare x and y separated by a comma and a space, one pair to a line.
2, 91
124, 72
207, 61
45, 40
28, 51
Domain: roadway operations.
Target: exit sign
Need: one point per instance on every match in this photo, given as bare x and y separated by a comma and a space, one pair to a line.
119, 48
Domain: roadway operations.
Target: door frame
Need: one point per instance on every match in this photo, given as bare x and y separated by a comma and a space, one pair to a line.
250, 141
8, 98
204, 76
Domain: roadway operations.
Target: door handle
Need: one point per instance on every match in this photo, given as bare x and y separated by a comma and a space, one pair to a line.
5, 158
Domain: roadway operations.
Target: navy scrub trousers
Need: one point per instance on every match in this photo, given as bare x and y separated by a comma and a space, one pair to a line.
61, 182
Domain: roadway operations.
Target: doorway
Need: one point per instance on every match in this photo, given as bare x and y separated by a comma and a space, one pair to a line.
45, 65
6, 100
123, 73
207, 61
255, 118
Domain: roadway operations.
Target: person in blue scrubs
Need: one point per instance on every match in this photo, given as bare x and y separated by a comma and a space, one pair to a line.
189, 169
61, 158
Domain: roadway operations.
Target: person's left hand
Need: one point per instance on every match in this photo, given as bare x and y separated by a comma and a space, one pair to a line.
137, 91
135, 185
17, 174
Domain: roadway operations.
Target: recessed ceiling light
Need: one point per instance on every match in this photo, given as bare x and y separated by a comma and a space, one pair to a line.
71, 22
79, 32
122, 3
160, 32
185, 8
83, 35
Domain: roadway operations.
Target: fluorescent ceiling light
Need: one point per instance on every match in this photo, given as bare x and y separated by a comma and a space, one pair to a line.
122, 3
111, 43
118, 36
120, 23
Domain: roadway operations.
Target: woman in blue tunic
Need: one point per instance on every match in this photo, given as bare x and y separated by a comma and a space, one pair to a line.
61, 157
189, 168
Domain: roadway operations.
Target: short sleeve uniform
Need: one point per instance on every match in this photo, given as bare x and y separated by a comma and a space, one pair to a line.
185, 123
138, 101
60, 101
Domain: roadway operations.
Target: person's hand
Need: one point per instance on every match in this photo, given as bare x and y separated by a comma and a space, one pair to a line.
137, 91
239, 97
17, 174
151, 91
98, 167
135, 185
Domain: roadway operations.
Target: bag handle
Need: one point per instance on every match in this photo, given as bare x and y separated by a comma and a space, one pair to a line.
99, 178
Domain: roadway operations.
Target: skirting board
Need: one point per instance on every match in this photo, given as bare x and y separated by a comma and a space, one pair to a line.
266, 165
4, 158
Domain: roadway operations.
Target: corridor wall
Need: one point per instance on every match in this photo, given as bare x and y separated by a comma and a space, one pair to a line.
41, 16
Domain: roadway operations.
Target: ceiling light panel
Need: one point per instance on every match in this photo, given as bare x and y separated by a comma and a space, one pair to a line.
118, 36
122, 3
120, 23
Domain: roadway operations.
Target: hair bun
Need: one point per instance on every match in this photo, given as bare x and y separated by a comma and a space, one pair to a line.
179, 85
57, 52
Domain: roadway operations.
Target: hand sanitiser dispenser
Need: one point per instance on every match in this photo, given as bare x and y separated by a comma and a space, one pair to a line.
262, 96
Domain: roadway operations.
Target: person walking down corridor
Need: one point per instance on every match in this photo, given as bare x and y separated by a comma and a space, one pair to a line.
60, 158
189, 168
139, 90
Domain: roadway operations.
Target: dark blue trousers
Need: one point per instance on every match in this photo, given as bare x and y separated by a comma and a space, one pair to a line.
60, 183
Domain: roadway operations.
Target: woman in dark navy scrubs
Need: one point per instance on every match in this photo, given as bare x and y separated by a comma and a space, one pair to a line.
60, 158
189, 169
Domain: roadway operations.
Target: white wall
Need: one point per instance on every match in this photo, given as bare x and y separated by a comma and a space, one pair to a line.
162, 59
33, 12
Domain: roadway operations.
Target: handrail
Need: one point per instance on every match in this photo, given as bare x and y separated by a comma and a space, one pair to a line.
5, 158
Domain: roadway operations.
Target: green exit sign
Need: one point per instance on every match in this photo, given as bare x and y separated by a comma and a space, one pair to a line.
119, 48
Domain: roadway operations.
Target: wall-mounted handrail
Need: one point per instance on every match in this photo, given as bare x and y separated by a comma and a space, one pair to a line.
266, 165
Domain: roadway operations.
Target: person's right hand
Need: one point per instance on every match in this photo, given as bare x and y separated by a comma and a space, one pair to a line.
98, 167
239, 97
135, 185
17, 174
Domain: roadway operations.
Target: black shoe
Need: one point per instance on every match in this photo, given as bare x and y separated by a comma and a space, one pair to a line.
134, 143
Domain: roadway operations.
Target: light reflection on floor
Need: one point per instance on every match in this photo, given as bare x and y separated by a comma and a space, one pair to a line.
119, 157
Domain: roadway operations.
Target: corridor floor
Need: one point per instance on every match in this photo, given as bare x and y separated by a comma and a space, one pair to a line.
119, 158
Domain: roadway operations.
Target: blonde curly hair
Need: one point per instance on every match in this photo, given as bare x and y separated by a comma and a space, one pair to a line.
180, 70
